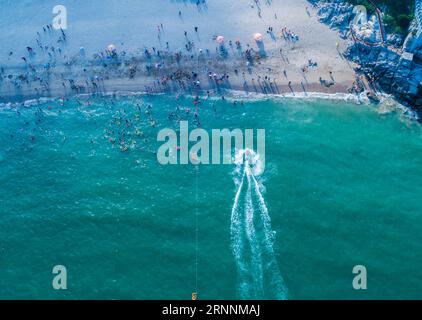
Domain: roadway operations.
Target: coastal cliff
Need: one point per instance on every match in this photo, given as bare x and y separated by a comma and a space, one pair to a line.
394, 65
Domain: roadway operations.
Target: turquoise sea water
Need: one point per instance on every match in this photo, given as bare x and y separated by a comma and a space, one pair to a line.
342, 186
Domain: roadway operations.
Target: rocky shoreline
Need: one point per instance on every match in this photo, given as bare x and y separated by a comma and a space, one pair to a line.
394, 67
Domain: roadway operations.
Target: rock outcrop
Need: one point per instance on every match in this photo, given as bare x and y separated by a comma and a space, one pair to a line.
395, 67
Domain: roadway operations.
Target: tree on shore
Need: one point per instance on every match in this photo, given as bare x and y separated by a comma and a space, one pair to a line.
398, 14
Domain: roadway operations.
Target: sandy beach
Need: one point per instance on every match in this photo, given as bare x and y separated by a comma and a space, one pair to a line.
213, 150
164, 29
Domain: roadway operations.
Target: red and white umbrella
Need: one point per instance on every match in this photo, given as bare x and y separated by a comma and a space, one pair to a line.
220, 39
258, 37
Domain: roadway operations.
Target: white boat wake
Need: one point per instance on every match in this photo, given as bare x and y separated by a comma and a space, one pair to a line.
252, 237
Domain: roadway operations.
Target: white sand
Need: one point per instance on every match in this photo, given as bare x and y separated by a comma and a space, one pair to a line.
132, 25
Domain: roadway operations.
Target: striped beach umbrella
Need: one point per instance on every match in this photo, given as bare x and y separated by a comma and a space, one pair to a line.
258, 37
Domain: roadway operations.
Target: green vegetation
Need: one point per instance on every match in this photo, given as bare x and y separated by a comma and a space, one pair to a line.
398, 14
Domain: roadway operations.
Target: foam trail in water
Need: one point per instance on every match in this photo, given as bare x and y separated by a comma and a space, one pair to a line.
256, 262
272, 265
252, 236
237, 242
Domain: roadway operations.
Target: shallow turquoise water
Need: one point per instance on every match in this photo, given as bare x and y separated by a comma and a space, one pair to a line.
342, 187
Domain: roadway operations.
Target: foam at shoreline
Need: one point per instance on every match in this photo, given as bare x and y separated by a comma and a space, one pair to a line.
387, 102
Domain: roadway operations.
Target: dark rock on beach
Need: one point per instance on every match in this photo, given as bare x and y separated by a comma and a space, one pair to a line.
395, 66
